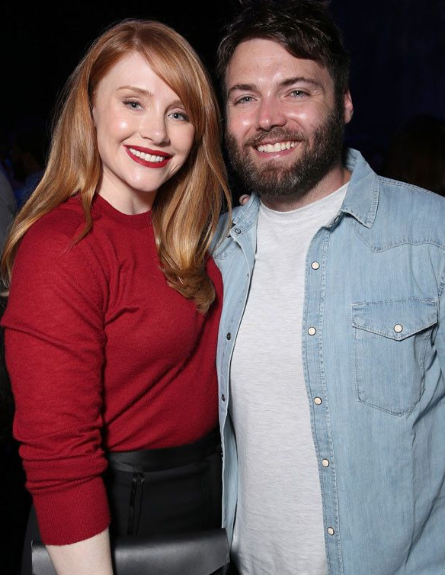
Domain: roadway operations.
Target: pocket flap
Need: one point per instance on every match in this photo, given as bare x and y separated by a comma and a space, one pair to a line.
395, 319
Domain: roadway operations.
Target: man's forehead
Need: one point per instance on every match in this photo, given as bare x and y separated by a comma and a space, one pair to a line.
260, 60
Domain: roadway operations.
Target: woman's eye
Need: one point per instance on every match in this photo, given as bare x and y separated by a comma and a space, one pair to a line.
179, 116
133, 104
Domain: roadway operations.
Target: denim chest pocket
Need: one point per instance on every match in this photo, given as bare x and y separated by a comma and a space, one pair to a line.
391, 341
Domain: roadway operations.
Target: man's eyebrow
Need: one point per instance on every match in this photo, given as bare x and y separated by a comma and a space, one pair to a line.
242, 88
300, 79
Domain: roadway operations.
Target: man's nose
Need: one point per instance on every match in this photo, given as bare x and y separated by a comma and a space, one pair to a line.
270, 114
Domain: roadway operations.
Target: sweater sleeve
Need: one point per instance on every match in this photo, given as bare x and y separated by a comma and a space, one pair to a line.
55, 356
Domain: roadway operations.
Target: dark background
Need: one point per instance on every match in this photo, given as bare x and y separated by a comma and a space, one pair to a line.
397, 49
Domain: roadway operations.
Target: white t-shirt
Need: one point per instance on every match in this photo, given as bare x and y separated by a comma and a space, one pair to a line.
279, 522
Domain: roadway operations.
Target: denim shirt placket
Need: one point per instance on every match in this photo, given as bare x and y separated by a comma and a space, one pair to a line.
239, 238
240, 235
313, 365
313, 370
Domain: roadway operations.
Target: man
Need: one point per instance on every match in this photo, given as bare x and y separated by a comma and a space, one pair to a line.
332, 345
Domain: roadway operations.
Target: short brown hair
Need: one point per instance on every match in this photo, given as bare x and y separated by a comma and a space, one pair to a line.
303, 27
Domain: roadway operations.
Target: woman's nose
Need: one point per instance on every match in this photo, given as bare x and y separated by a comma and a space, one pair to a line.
154, 128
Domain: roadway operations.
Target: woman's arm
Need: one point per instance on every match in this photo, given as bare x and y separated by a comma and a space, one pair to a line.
83, 558
54, 331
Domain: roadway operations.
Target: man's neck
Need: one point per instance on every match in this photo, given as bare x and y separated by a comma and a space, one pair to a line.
331, 182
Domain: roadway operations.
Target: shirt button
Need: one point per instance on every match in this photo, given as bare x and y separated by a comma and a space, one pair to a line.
398, 328
237, 231
325, 462
223, 397
229, 336
331, 530
318, 400
312, 331
315, 265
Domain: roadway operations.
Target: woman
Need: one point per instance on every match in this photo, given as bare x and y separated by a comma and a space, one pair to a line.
114, 304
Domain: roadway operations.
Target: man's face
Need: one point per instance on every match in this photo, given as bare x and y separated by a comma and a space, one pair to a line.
284, 127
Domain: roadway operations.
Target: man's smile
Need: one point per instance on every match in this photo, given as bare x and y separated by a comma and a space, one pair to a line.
276, 147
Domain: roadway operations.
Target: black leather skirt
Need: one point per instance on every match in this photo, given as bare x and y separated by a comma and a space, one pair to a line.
155, 492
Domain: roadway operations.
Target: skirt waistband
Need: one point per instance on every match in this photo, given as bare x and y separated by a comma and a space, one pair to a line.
146, 460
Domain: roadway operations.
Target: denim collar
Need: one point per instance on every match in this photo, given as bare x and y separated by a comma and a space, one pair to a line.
362, 197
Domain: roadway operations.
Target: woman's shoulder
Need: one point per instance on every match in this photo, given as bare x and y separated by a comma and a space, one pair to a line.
49, 252
52, 239
63, 223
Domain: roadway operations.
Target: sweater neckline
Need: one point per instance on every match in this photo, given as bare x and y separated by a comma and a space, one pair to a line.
135, 221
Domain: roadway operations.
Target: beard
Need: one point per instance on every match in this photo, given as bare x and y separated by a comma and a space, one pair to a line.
319, 152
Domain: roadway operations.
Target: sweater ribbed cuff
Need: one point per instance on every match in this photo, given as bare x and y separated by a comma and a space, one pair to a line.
72, 515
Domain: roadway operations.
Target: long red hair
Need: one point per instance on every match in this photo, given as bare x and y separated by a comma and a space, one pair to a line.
187, 207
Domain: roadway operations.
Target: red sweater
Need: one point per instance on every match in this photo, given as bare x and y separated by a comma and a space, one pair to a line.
102, 354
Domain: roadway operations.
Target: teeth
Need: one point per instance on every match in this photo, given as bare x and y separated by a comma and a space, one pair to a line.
278, 147
146, 157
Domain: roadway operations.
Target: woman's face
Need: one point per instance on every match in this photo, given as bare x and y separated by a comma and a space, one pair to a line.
143, 134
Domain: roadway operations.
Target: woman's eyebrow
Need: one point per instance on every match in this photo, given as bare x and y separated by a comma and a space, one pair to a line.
141, 91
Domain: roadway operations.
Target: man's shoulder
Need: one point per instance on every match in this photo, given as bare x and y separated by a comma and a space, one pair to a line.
403, 191
420, 205
407, 214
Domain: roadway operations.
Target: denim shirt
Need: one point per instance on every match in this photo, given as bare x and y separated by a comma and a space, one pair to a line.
373, 351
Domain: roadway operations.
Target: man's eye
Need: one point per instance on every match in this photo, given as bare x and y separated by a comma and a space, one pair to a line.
298, 93
243, 100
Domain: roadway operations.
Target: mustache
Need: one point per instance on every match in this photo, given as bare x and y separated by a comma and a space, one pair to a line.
275, 134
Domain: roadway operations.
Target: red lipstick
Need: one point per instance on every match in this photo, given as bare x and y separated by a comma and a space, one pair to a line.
147, 164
